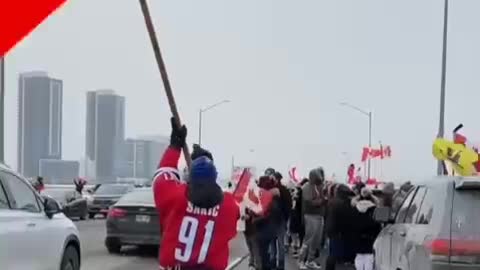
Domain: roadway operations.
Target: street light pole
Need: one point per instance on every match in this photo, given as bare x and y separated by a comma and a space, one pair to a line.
200, 112
441, 124
369, 114
200, 116
369, 141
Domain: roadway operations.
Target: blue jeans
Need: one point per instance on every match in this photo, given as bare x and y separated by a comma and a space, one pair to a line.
277, 248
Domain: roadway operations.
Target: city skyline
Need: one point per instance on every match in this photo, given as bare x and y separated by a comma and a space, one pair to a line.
108, 154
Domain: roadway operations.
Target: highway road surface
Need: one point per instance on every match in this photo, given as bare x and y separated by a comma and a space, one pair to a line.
96, 257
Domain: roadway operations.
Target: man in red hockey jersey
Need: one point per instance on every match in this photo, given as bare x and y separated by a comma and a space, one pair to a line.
197, 218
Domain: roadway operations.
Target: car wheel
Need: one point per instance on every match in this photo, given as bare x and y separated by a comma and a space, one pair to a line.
71, 259
91, 215
84, 217
113, 245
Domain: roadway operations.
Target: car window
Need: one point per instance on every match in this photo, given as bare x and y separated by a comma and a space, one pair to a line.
113, 189
23, 197
465, 218
412, 211
402, 212
138, 196
426, 210
3, 198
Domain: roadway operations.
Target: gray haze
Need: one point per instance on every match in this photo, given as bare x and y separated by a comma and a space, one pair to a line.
284, 64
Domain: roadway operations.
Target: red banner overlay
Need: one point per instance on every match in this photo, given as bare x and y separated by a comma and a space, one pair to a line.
19, 17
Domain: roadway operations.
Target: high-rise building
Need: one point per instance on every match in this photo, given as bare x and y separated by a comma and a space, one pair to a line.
39, 121
105, 133
141, 157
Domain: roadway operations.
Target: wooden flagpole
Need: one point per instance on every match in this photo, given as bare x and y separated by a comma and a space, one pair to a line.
163, 71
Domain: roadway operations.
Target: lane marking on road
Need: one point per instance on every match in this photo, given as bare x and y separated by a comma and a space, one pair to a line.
236, 262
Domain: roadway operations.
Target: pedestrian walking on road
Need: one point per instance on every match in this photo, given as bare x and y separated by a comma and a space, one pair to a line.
366, 229
313, 206
297, 226
266, 226
277, 248
339, 227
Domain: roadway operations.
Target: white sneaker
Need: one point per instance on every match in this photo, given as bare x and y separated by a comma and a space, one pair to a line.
302, 266
313, 265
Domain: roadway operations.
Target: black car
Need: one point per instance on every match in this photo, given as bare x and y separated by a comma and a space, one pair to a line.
105, 196
133, 220
74, 205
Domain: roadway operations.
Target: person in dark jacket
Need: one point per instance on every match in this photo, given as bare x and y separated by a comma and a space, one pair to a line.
313, 207
339, 227
266, 226
366, 229
277, 249
387, 195
297, 227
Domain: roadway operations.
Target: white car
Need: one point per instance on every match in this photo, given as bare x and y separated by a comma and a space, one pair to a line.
34, 233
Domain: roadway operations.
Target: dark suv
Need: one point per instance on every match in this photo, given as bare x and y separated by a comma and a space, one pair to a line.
436, 227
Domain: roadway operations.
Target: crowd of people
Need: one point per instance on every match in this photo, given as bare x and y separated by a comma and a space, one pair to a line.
318, 222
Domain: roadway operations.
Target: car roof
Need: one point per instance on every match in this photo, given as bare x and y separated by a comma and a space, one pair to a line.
117, 184
6, 168
441, 180
142, 189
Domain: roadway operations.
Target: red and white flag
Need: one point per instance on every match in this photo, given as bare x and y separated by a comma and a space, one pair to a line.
293, 176
250, 195
371, 153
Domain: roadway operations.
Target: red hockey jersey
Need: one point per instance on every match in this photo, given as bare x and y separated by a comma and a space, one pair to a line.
191, 236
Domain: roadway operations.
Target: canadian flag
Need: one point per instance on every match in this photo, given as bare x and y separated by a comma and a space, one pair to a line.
250, 195
383, 152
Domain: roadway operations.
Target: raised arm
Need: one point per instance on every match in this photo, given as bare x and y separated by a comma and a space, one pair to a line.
167, 176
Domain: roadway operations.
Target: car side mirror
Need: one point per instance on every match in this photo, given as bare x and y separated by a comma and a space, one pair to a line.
382, 214
51, 207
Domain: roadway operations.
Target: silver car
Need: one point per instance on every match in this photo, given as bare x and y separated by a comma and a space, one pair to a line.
436, 227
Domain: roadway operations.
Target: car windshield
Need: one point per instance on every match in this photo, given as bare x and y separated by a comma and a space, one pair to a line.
139, 196
112, 189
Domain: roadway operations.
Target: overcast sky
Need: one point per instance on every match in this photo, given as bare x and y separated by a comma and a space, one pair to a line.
285, 65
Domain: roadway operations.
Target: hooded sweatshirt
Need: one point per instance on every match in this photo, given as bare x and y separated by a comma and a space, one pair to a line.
268, 223
313, 199
366, 229
340, 213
